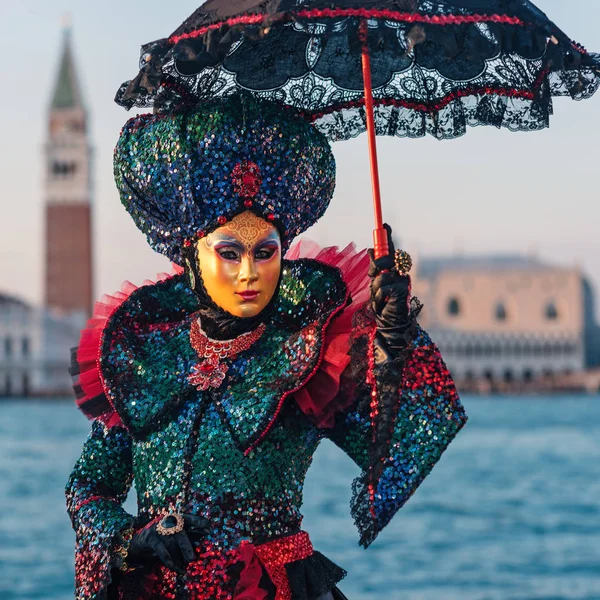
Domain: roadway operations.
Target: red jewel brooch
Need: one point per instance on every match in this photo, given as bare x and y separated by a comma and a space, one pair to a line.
210, 372
246, 179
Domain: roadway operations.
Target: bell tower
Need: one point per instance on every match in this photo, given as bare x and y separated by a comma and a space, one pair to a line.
68, 194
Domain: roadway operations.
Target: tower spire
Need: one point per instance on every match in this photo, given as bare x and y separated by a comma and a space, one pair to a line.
68, 193
67, 92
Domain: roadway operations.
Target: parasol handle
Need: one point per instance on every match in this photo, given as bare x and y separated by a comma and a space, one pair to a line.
380, 237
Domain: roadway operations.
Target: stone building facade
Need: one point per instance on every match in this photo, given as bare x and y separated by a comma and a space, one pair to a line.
34, 349
20, 347
507, 318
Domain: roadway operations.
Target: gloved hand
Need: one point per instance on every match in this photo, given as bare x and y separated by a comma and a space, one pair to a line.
174, 551
390, 304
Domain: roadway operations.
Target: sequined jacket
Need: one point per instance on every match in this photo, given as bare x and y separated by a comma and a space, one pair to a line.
238, 454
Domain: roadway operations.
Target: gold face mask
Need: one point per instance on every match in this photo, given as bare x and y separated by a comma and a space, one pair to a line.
240, 264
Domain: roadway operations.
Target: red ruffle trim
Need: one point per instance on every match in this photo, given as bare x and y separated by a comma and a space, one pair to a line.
90, 380
316, 398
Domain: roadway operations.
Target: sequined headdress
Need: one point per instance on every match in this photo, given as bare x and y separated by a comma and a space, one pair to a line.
182, 175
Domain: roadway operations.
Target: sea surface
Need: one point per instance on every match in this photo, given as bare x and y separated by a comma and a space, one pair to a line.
511, 512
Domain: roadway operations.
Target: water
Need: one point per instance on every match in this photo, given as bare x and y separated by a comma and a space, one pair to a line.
511, 512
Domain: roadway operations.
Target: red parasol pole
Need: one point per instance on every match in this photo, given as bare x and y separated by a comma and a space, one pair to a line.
380, 240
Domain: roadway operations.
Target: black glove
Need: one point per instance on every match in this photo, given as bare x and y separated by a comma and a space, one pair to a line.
174, 551
390, 304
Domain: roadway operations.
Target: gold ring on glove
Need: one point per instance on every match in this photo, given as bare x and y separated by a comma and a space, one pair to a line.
170, 524
403, 262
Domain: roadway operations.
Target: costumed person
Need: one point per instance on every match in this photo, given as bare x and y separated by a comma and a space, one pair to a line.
212, 388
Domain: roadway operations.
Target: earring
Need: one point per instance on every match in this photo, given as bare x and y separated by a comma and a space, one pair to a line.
190, 273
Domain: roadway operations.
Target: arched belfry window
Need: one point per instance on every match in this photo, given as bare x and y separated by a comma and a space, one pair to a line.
63, 168
551, 311
454, 307
501, 313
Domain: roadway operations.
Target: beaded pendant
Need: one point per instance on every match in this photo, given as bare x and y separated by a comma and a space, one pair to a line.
210, 371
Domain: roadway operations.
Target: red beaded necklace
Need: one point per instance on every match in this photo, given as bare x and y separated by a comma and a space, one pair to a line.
210, 372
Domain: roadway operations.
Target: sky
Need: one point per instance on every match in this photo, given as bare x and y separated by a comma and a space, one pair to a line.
488, 192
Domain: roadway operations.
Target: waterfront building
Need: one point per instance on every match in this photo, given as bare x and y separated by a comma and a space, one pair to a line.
507, 319
20, 346
34, 348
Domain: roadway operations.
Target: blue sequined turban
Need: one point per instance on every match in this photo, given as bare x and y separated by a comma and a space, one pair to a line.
181, 176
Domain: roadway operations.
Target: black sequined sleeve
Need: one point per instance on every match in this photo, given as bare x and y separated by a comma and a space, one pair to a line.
400, 419
96, 490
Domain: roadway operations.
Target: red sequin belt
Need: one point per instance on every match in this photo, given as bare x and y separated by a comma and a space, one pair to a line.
275, 555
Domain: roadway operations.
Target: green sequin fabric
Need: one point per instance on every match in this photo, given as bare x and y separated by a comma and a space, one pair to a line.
146, 355
179, 175
238, 455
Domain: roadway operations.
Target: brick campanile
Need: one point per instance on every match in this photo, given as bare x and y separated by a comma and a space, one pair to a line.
68, 195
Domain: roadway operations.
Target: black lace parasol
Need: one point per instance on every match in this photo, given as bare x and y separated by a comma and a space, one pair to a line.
435, 66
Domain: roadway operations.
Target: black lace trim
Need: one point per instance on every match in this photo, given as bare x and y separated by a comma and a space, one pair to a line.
388, 377
353, 382
313, 577
428, 78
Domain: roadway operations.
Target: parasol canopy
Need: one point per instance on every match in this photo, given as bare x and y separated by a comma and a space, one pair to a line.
436, 65
403, 68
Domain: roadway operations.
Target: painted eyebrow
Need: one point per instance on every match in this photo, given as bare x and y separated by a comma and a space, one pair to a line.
267, 242
223, 237
272, 237
227, 241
